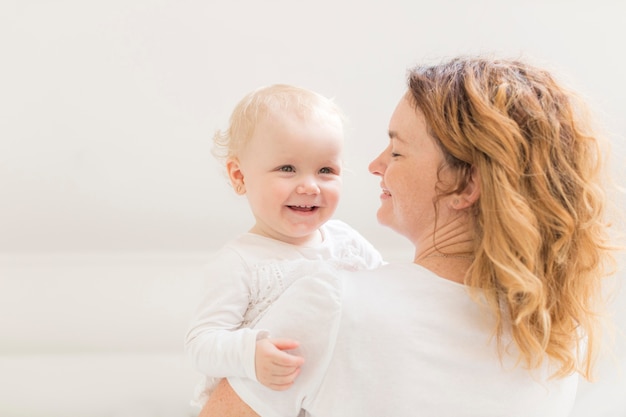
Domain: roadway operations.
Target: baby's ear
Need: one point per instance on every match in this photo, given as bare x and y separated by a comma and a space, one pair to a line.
470, 193
235, 175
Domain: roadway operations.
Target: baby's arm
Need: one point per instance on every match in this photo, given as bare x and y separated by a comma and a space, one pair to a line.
215, 343
315, 327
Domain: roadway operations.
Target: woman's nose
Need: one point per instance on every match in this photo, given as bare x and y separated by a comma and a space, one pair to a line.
376, 167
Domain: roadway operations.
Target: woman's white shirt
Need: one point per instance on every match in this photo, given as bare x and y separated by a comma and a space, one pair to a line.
398, 341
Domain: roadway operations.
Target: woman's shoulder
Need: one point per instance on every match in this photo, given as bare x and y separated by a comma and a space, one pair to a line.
407, 274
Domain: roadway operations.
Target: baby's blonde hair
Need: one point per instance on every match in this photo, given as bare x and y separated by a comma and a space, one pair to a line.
541, 237
264, 102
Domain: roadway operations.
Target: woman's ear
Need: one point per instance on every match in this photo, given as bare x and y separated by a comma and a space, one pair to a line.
233, 168
470, 194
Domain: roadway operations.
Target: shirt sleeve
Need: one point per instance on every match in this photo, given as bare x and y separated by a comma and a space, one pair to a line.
215, 343
309, 311
365, 255
371, 256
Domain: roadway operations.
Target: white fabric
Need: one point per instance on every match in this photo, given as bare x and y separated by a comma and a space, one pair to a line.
243, 279
434, 358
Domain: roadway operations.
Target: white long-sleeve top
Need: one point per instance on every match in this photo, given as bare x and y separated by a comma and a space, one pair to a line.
243, 279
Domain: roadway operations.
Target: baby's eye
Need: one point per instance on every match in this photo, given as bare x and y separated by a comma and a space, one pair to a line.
326, 170
287, 168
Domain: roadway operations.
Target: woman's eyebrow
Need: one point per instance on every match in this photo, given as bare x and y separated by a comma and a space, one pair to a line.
394, 135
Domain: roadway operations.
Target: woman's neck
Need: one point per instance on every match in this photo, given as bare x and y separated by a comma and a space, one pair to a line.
449, 252
448, 267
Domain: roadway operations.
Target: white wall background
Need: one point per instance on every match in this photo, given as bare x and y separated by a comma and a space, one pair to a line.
107, 107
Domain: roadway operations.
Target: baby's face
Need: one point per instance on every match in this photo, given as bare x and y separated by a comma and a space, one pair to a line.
291, 170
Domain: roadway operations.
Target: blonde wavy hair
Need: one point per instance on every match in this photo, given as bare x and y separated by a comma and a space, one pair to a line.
541, 239
265, 102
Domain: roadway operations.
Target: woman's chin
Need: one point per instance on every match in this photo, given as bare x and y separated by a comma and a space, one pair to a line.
384, 220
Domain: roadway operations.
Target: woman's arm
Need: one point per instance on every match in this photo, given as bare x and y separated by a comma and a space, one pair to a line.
224, 402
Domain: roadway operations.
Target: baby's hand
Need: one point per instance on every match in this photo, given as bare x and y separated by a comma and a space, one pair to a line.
275, 368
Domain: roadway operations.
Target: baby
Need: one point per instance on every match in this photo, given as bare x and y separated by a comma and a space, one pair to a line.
283, 151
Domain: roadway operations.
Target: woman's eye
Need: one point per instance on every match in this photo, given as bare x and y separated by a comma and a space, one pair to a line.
394, 154
287, 168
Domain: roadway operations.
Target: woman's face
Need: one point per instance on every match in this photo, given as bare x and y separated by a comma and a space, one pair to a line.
408, 168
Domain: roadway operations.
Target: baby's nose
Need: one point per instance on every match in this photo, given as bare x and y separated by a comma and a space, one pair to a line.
308, 186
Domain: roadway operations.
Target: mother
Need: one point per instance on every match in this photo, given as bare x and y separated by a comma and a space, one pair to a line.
493, 173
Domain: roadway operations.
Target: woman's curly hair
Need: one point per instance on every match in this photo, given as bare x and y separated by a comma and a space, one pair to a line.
542, 246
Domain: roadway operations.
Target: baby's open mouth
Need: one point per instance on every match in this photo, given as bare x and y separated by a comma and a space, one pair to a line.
303, 208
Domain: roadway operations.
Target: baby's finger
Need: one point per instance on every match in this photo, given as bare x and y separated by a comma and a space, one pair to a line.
287, 359
284, 343
281, 383
282, 371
